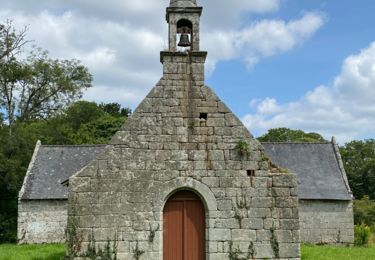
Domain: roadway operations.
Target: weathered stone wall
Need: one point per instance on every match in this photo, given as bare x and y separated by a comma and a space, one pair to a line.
320, 222
42, 221
164, 147
328, 222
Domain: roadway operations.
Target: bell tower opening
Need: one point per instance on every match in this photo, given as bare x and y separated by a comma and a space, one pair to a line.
184, 31
183, 17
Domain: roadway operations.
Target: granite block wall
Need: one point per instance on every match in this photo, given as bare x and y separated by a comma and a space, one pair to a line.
182, 137
326, 222
42, 221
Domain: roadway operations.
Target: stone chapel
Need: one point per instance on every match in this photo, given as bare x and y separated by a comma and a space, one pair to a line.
184, 179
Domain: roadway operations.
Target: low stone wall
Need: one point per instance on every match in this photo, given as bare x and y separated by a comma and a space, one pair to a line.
42, 221
326, 222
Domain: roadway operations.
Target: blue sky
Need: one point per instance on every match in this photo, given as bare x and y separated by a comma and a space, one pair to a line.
301, 64
348, 28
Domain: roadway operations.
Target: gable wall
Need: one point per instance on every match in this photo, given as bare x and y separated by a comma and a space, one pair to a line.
165, 147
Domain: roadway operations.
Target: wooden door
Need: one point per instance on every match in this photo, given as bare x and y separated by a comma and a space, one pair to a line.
184, 227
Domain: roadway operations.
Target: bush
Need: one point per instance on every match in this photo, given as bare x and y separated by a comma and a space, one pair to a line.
362, 234
364, 212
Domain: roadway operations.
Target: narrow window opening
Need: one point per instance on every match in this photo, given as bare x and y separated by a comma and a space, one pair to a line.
203, 116
251, 174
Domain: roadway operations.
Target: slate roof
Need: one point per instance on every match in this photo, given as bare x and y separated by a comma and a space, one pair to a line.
54, 164
316, 165
317, 168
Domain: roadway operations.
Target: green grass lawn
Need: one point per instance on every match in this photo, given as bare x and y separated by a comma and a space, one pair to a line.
57, 252
339, 253
32, 252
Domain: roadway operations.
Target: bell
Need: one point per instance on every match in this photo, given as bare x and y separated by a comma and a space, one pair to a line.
184, 40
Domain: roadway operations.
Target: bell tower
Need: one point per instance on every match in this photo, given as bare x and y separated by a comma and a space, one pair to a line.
183, 60
183, 17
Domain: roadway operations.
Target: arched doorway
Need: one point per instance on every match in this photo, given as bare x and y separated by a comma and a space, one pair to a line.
184, 227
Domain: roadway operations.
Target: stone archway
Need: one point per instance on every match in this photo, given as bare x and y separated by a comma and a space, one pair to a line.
168, 188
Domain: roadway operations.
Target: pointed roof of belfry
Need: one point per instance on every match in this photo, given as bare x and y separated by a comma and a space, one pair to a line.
183, 3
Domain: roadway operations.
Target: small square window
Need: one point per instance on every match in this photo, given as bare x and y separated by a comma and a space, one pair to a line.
203, 116
251, 173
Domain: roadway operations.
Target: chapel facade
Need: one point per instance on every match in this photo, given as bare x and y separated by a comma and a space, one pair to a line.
183, 178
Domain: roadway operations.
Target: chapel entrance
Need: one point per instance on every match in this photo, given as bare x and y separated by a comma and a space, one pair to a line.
184, 227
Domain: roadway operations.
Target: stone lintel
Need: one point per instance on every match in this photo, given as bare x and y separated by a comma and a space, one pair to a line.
184, 10
199, 56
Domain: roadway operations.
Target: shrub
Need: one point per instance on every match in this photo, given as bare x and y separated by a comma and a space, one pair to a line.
362, 234
373, 229
242, 148
364, 211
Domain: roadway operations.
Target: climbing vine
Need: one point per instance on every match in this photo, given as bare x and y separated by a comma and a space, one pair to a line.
73, 237
109, 252
274, 242
251, 251
137, 253
241, 201
151, 236
238, 217
235, 253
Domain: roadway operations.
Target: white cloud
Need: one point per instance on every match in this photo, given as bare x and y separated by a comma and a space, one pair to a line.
345, 109
120, 40
261, 39
122, 57
267, 106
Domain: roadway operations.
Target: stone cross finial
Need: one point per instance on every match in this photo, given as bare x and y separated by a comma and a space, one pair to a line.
183, 3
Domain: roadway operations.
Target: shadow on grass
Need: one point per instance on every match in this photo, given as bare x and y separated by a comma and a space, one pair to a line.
54, 256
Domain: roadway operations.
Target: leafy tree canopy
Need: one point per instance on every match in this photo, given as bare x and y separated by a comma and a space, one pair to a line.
82, 112
364, 211
38, 86
81, 123
115, 109
38, 101
289, 135
11, 41
359, 161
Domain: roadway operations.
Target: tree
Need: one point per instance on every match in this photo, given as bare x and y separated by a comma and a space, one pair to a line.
364, 211
11, 41
82, 112
15, 153
289, 135
115, 109
359, 162
99, 131
81, 123
50, 86
38, 86
94, 124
